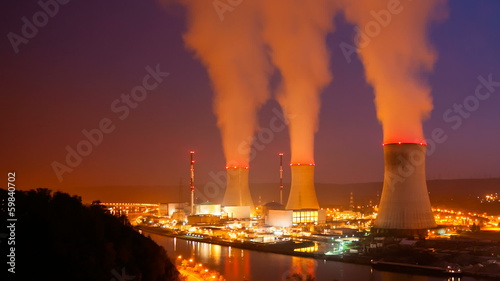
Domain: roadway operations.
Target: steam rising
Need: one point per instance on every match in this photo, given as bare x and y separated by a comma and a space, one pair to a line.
395, 60
234, 55
296, 33
234, 52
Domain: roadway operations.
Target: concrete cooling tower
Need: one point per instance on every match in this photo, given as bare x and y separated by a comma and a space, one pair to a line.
405, 207
302, 191
237, 189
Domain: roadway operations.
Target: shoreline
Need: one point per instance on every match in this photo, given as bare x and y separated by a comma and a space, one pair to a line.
282, 249
288, 249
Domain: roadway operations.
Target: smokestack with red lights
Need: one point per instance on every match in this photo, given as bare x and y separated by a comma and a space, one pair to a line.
302, 191
281, 178
237, 189
405, 207
191, 182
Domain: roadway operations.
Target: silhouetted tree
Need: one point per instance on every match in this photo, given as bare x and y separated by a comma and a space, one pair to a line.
58, 238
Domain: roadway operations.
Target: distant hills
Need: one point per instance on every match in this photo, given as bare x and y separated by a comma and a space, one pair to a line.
441, 192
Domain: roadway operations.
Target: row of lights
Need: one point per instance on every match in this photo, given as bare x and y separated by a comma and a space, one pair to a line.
200, 266
130, 204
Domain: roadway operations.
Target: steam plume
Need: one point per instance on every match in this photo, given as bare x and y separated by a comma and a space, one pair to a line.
395, 59
296, 34
233, 53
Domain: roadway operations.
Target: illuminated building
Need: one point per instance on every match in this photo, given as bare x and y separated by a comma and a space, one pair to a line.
237, 212
203, 219
280, 218
207, 208
271, 206
167, 209
308, 216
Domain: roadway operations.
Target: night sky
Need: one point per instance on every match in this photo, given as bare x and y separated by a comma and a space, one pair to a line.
67, 76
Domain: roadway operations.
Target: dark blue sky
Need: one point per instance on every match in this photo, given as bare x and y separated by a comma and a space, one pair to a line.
65, 78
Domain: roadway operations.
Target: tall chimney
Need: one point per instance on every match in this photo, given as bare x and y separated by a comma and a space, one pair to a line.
191, 181
281, 178
237, 189
405, 203
302, 192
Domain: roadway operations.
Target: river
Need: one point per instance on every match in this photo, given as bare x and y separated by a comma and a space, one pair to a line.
238, 265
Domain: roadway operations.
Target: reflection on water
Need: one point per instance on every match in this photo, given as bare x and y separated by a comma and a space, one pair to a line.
394, 276
301, 269
240, 265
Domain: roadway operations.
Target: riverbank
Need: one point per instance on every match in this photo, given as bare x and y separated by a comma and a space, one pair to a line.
287, 248
282, 248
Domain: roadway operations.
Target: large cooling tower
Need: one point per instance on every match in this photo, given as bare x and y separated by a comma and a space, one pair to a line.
405, 202
237, 190
302, 192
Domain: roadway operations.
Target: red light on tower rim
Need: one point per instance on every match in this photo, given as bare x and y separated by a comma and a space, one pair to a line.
236, 167
400, 142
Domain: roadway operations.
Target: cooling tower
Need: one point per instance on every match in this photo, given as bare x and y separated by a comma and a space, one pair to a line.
237, 190
404, 207
302, 192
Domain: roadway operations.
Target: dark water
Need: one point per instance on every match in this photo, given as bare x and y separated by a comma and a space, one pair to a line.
238, 265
